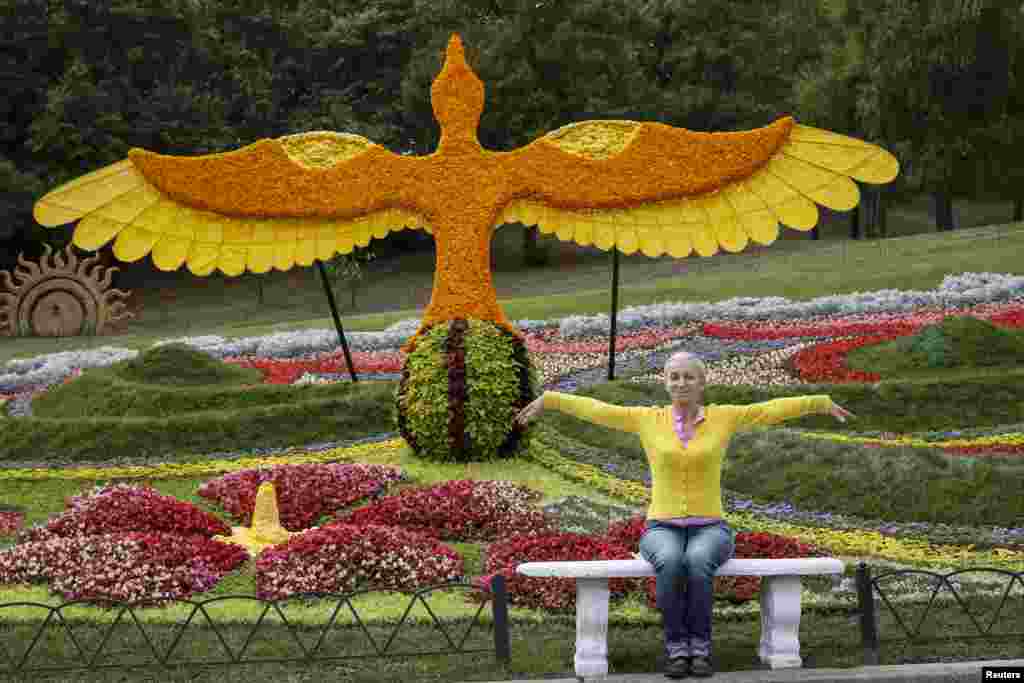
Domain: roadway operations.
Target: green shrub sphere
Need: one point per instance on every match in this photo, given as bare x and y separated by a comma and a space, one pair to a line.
461, 388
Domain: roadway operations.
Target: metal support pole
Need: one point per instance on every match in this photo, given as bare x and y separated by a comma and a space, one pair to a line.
337, 319
499, 607
615, 307
868, 624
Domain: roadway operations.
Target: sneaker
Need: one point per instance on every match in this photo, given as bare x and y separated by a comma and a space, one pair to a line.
701, 667
677, 667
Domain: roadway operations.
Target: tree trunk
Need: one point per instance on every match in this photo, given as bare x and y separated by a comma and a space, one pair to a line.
1018, 209
883, 228
943, 211
531, 253
855, 223
869, 214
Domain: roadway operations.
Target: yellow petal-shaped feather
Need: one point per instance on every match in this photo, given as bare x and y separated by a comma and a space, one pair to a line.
704, 242
263, 233
553, 221
260, 258
881, 168
626, 241
566, 227
102, 225
678, 244
305, 251
133, 243
232, 260
828, 188
83, 195
284, 255
849, 156
724, 224
209, 227
202, 258
344, 241
761, 226
326, 241
789, 207
530, 213
95, 230
168, 218
649, 240
583, 234
374, 223
361, 233
604, 236
798, 213
169, 252
238, 231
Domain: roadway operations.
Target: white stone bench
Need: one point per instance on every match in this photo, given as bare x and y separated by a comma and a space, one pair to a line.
780, 603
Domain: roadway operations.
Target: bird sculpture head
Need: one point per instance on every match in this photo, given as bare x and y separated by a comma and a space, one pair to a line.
457, 96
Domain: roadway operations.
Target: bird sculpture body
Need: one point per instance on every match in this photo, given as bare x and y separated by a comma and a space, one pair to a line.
633, 186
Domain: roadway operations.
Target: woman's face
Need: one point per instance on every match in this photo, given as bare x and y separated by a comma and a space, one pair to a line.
684, 381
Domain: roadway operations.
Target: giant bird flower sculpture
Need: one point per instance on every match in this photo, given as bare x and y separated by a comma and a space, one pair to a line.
625, 184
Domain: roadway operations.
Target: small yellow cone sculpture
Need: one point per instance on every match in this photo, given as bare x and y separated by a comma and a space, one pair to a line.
266, 529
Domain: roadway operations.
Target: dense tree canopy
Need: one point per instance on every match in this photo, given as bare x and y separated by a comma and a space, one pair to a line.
86, 81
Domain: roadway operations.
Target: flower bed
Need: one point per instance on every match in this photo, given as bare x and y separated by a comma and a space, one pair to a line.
161, 548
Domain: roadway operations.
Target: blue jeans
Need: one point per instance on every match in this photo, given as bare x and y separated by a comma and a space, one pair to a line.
686, 559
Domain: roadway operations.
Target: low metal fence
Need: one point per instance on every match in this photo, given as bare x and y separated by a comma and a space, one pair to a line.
93, 661
867, 586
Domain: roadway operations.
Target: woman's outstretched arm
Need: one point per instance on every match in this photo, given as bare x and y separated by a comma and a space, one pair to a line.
625, 419
781, 409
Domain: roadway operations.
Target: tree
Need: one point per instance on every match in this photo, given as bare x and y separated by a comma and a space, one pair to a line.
874, 86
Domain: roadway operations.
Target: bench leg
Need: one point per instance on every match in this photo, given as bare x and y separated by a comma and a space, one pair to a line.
591, 628
780, 622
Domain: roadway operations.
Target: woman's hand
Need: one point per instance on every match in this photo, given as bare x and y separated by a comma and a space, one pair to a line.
531, 411
840, 413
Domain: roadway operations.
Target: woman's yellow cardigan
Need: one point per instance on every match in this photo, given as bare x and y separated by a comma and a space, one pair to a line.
685, 481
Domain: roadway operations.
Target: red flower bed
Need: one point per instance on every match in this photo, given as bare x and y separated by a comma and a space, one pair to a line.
305, 492
278, 371
127, 508
875, 324
464, 509
827, 362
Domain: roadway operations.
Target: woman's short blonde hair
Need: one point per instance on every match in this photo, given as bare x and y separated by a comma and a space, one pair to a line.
693, 358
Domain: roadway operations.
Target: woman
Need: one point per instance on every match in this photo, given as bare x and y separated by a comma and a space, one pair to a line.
685, 538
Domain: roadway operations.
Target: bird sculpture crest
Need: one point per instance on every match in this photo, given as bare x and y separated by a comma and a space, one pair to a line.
628, 185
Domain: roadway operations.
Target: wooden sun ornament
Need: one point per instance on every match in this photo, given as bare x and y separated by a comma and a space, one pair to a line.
634, 186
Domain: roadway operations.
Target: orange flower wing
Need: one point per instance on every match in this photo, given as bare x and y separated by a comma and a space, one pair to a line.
660, 189
272, 204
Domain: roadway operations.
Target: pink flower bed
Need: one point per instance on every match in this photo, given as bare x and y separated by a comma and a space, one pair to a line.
126, 567
10, 522
341, 558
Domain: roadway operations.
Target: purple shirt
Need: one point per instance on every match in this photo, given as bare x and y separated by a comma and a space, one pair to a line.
685, 436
